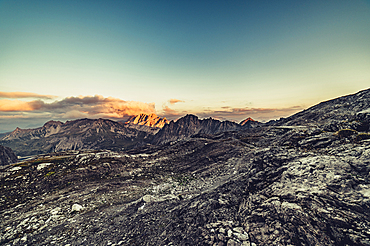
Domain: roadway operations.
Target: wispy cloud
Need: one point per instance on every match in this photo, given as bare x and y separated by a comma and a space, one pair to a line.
171, 113
173, 101
18, 94
7, 105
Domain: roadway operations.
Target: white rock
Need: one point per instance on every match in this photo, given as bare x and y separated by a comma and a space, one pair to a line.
241, 237
76, 207
142, 207
238, 229
55, 211
15, 169
24, 239
231, 242
42, 165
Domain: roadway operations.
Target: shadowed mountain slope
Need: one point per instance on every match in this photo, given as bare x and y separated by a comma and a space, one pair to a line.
7, 156
190, 125
74, 135
346, 108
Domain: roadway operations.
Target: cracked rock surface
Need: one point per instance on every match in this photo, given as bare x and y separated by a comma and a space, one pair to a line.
263, 186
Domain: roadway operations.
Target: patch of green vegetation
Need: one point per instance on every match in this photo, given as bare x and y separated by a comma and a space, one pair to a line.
49, 174
183, 179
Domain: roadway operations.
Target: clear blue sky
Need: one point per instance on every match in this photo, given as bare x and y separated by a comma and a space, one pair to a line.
227, 59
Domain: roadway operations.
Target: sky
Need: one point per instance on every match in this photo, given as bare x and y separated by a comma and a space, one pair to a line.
230, 60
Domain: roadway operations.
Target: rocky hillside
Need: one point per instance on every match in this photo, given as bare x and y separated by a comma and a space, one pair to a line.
343, 111
151, 120
7, 156
73, 135
190, 125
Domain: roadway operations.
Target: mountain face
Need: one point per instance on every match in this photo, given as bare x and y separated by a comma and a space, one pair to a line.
73, 135
190, 125
7, 156
151, 120
344, 112
250, 123
247, 120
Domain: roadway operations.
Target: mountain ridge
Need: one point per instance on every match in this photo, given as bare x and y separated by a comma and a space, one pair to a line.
72, 135
190, 125
151, 120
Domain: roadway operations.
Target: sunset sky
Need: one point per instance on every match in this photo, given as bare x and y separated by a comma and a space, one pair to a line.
63, 60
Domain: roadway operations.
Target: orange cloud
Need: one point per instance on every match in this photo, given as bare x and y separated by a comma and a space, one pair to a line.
17, 105
169, 111
24, 95
173, 101
172, 114
71, 107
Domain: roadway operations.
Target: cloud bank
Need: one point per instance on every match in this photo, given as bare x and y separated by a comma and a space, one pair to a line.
89, 105
70, 108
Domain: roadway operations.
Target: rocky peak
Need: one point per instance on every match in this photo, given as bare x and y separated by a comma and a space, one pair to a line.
189, 118
52, 123
151, 120
15, 134
247, 120
17, 130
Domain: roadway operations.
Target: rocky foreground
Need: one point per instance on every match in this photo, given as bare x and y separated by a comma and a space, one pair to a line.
277, 185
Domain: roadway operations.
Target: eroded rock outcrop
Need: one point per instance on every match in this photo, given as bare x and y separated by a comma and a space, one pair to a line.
7, 156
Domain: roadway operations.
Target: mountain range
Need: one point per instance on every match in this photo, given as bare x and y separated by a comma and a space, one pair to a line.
56, 136
347, 112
